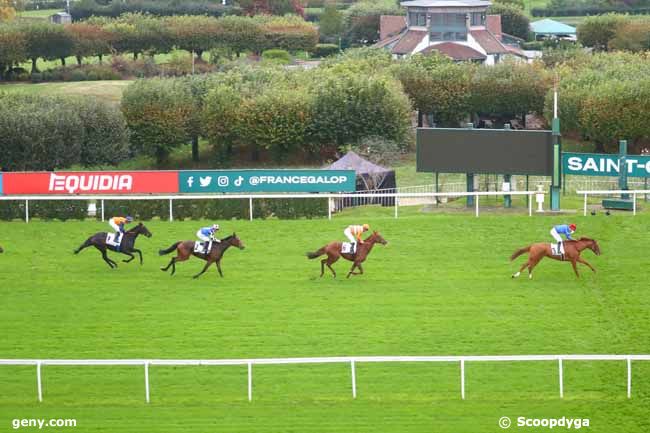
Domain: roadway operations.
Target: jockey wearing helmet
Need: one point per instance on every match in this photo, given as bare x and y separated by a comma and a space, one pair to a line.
562, 229
207, 234
117, 223
354, 232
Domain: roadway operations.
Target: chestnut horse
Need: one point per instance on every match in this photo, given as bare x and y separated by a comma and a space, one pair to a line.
572, 250
185, 249
333, 251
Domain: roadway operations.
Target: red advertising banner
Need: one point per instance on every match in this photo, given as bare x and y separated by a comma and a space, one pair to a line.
91, 182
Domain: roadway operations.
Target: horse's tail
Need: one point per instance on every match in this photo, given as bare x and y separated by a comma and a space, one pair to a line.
168, 250
316, 253
84, 245
519, 252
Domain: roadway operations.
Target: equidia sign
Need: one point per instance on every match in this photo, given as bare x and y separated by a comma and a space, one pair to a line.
594, 164
267, 181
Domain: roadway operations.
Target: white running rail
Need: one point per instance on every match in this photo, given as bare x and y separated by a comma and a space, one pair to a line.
633, 193
250, 197
352, 360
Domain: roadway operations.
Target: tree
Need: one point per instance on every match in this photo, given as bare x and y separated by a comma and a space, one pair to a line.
596, 31
47, 41
361, 21
513, 19
13, 47
158, 112
89, 40
631, 36
194, 33
7, 11
239, 34
331, 21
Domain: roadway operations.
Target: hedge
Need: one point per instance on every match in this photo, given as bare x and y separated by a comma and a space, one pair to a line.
44, 209
87, 8
587, 10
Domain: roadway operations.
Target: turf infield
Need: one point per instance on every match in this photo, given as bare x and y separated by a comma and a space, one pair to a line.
441, 287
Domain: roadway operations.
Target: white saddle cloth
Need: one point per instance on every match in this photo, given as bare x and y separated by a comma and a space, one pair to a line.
347, 248
113, 239
555, 251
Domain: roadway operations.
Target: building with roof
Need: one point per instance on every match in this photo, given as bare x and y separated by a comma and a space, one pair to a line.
460, 29
554, 29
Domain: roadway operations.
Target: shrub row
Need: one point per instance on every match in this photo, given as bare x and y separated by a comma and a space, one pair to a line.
588, 10
86, 8
44, 209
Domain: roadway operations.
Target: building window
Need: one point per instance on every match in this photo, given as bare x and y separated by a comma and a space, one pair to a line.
448, 27
418, 19
435, 36
478, 19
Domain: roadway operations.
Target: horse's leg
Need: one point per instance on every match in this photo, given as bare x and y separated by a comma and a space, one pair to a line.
139, 254
526, 263
218, 263
584, 262
354, 265
575, 268
205, 268
330, 261
532, 262
171, 262
130, 255
110, 262
322, 267
360, 269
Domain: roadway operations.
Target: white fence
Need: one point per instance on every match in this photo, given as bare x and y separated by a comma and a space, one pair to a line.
353, 361
633, 193
250, 197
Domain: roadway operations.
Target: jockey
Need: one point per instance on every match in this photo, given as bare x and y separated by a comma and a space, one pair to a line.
354, 232
207, 234
117, 223
562, 229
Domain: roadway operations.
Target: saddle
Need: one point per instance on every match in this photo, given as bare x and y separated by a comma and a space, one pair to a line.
557, 251
202, 247
347, 248
114, 239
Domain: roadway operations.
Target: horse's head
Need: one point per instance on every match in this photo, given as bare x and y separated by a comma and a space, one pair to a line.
592, 245
141, 230
236, 242
376, 237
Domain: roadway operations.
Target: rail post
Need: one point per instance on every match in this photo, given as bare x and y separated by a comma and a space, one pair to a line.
39, 382
354, 379
171, 211
476, 204
250, 381
530, 204
396, 205
462, 379
26, 211
102, 210
561, 374
250, 208
584, 211
329, 208
629, 377
146, 380
633, 203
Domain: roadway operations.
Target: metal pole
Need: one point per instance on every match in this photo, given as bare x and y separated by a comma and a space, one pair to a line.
561, 378
354, 379
462, 379
476, 204
629, 378
250, 381
584, 212
171, 212
250, 208
38, 381
26, 211
530, 204
396, 205
102, 210
146, 380
633, 203
329, 208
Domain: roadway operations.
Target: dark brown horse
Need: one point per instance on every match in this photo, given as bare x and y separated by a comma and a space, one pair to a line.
127, 244
185, 249
572, 250
1, 250
333, 251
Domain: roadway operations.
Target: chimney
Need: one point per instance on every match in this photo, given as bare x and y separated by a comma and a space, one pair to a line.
493, 25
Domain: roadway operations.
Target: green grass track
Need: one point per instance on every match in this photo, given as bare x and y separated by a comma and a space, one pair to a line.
441, 287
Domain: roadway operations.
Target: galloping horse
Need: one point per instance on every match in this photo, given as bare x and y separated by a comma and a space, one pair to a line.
98, 240
333, 251
185, 249
572, 250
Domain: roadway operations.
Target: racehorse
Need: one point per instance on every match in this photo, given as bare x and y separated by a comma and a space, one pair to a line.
185, 249
572, 250
333, 251
1, 250
127, 244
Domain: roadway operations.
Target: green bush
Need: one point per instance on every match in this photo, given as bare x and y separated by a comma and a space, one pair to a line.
277, 56
78, 75
58, 209
326, 50
535, 45
513, 19
12, 210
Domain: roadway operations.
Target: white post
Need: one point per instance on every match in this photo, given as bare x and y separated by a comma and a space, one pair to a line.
584, 212
146, 380
250, 208
396, 205
26, 211
476, 203
462, 379
329, 208
354, 379
102, 210
629, 377
38, 381
530, 205
250, 381
561, 377
171, 212
633, 203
